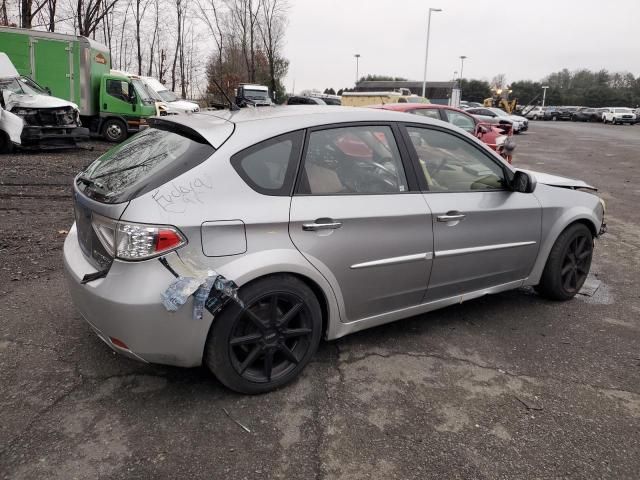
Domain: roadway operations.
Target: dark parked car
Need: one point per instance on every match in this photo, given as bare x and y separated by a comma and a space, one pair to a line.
559, 113
586, 114
305, 101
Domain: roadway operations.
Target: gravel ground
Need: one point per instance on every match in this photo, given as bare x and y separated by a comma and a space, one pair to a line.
506, 386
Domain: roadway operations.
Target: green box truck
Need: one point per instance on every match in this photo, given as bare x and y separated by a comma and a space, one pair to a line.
78, 69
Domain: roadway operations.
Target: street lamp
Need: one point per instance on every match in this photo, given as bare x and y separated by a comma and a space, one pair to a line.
462, 57
426, 54
357, 57
544, 93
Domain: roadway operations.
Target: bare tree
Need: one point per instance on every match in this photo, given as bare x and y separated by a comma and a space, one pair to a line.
4, 17
214, 24
28, 12
89, 14
152, 44
139, 11
272, 26
51, 14
178, 56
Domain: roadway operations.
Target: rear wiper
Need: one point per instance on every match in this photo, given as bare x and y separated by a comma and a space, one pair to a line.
89, 182
132, 167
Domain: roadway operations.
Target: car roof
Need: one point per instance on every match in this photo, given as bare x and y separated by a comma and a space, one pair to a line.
261, 123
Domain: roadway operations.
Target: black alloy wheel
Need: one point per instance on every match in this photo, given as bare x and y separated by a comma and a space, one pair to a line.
577, 262
568, 264
270, 337
267, 342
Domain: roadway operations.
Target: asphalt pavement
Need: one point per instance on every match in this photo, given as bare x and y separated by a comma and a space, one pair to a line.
506, 386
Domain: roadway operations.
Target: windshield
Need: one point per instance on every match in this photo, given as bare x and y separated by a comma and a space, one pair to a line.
144, 162
152, 93
141, 91
21, 86
248, 93
168, 96
499, 111
29, 84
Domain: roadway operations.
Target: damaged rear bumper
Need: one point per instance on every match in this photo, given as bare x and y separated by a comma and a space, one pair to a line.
125, 308
53, 136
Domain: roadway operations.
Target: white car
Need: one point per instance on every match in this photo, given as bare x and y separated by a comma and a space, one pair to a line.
619, 115
520, 124
535, 113
175, 103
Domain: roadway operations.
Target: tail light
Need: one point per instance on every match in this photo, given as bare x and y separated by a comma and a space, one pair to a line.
136, 241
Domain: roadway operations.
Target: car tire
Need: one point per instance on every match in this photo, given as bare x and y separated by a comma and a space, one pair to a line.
568, 264
535, 117
114, 130
554, 118
250, 350
5, 143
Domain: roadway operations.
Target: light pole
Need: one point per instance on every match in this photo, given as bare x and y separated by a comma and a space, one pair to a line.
544, 93
462, 57
426, 54
357, 57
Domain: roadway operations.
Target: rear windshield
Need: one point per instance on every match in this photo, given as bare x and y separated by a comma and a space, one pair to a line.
146, 161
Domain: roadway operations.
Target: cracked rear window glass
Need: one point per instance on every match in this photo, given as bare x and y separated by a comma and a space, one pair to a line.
144, 162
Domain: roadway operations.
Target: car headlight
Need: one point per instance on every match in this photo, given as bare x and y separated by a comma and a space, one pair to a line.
604, 205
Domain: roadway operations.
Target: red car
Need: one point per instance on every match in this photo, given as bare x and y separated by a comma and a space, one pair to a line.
496, 136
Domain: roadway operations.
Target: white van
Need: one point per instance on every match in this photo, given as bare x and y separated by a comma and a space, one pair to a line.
175, 103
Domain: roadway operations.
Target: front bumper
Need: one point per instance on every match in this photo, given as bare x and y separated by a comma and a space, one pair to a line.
53, 136
125, 305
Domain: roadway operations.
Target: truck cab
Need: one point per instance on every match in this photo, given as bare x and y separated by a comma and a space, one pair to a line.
125, 105
250, 95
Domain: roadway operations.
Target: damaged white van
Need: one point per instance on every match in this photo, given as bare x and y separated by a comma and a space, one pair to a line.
30, 117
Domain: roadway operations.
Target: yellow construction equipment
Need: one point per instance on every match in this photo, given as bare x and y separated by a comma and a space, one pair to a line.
500, 99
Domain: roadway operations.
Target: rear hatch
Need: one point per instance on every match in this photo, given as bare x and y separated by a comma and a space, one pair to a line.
139, 165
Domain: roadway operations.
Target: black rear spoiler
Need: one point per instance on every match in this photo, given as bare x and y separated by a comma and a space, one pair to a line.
175, 127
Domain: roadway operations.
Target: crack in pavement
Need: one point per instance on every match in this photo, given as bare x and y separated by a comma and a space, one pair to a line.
24, 343
501, 370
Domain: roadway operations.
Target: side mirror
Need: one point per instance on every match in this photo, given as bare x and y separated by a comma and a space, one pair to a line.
523, 182
481, 130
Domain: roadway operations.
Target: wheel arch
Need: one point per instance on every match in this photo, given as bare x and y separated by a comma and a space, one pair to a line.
582, 216
317, 290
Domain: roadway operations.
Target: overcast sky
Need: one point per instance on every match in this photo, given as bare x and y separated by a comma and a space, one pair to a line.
525, 39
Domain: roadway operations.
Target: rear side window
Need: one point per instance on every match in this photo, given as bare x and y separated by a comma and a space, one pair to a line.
144, 162
427, 112
269, 167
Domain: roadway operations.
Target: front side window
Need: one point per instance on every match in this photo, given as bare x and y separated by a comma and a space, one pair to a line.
450, 164
353, 160
118, 89
461, 120
269, 166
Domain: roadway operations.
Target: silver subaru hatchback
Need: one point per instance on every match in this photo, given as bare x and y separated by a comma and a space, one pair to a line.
238, 240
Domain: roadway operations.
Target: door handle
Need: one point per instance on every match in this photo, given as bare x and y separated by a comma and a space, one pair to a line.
315, 226
451, 217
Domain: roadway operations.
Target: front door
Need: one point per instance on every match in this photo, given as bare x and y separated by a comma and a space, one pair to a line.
485, 235
356, 219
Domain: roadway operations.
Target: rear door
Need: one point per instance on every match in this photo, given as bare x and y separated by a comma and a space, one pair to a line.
359, 218
53, 66
485, 235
